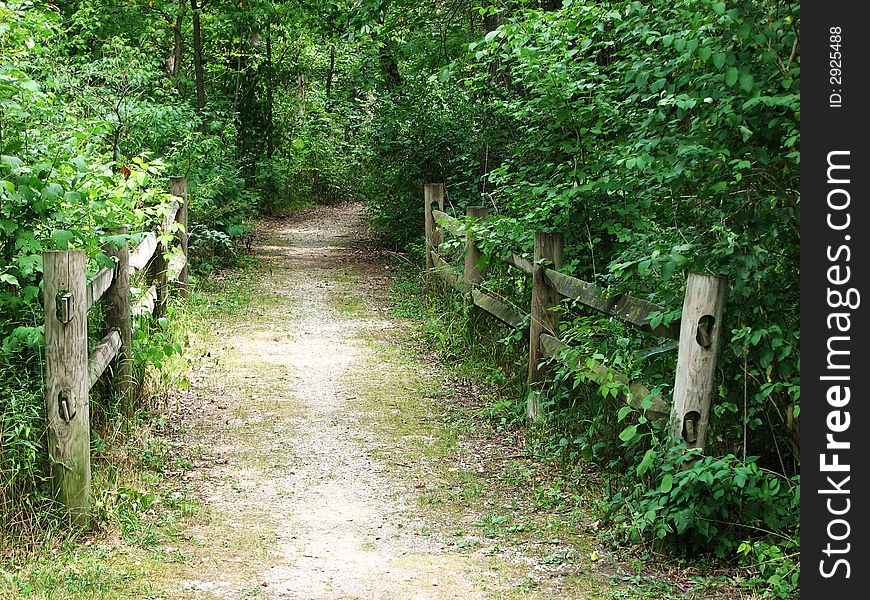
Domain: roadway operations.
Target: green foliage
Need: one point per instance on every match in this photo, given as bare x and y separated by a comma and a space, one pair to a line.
724, 505
658, 139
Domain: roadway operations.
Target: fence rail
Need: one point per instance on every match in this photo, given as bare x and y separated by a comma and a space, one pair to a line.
71, 371
697, 331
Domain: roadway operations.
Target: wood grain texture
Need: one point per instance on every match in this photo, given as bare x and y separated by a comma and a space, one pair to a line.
548, 247
99, 284
551, 347
66, 383
696, 361
500, 310
472, 272
140, 256
448, 274
102, 355
119, 317
176, 266
178, 187
433, 194
622, 306
446, 222
523, 264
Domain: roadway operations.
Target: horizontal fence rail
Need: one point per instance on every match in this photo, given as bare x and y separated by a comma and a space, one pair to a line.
71, 371
695, 335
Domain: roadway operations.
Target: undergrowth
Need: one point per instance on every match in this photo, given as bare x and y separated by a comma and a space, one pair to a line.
136, 498
658, 507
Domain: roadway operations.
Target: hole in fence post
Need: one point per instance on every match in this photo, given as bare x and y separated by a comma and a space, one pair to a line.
690, 424
63, 306
65, 407
704, 335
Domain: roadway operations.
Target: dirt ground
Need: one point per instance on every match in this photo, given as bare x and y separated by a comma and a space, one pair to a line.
316, 446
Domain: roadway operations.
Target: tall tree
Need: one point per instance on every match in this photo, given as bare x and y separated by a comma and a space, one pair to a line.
198, 72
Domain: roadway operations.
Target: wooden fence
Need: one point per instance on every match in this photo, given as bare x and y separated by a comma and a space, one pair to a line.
697, 332
71, 371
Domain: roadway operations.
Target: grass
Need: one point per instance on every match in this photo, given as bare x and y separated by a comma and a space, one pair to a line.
139, 508
439, 440
557, 493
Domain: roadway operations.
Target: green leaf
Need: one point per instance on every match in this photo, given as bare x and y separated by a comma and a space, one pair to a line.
667, 483
61, 238
731, 75
628, 433
646, 462
719, 60
746, 82
11, 280
623, 412
719, 8
704, 53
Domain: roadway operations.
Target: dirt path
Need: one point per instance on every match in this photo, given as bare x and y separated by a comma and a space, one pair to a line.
305, 497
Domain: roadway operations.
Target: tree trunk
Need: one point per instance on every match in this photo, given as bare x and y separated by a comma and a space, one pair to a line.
174, 61
330, 74
270, 150
199, 75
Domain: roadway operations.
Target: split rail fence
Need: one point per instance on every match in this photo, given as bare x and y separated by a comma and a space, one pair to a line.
697, 332
70, 370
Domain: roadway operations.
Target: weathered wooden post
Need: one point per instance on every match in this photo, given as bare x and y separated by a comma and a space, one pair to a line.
700, 329
66, 380
119, 316
548, 247
157, 275
178, 187
473, 274
433, 193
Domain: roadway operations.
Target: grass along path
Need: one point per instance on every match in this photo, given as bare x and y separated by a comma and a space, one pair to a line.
315, 443
325, 441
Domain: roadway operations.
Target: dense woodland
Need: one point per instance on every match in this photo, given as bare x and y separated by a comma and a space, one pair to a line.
658, 137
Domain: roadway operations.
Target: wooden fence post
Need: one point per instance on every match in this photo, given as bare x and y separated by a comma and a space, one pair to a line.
66, 380
548, 246
158, 277
700, 330
178, 187
433, 193
473, 274
119, 316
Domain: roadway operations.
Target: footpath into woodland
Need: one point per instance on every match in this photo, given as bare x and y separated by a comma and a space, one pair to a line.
323, 464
